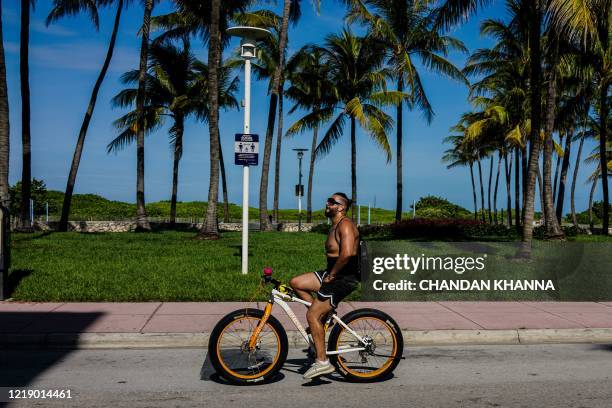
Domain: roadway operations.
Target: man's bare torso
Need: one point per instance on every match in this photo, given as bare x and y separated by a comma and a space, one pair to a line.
332, 248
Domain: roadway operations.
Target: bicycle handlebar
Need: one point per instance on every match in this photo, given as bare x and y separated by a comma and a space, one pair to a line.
270, 279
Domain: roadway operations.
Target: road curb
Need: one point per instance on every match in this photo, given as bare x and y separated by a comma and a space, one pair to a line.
200, 340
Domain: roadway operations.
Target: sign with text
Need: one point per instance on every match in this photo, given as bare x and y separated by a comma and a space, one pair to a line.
246, 149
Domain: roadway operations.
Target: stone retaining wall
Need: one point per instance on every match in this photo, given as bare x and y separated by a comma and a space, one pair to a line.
129, 226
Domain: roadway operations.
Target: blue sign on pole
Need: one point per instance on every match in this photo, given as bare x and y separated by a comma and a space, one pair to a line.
246, 149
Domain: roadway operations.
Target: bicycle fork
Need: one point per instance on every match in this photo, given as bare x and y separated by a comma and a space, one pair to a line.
260, 326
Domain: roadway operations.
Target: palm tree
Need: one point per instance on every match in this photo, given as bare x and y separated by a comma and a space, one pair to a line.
406, 29
573, 110
501, 90
274, 94
595, 132
5, 198
61, 9
462, 154
355, 71
142, 222
24, 77
208, 20
551, 58
311, 90
532, 13
210, 228
177, 86
265, 67
588, 22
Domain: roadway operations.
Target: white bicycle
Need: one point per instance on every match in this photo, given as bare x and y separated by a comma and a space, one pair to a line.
250, 345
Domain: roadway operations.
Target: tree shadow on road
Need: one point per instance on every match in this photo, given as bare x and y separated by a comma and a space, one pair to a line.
604, 347
208, 373
34, 342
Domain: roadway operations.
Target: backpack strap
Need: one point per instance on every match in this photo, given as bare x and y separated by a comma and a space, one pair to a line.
336, 229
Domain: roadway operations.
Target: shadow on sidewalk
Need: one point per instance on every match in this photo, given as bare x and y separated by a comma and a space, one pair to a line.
21, 364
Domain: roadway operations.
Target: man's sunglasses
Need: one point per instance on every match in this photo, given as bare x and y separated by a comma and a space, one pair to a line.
331, 201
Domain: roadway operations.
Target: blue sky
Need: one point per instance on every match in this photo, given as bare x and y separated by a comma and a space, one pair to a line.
65, 59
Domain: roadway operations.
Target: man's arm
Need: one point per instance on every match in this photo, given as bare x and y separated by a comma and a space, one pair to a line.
347, 247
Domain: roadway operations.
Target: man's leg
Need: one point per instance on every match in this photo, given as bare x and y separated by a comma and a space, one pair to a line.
304, 285
314, 315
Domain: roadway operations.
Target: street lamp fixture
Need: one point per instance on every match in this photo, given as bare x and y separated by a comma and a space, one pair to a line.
299, 189
248, 40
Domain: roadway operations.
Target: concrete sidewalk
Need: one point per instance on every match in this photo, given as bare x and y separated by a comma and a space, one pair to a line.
156, 324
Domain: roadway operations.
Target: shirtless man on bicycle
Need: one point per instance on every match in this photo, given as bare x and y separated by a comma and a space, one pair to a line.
335, 282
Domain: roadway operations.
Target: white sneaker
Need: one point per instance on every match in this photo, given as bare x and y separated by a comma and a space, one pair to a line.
319, 368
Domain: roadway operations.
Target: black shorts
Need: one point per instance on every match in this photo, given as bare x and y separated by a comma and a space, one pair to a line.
337, 289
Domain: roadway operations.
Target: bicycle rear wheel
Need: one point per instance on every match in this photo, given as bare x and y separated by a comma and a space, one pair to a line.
384, 345
228, 347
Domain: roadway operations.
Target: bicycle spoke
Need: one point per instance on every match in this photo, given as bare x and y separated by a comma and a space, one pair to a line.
234, 352
363, 362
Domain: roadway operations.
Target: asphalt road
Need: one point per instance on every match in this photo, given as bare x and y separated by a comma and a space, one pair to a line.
462, 376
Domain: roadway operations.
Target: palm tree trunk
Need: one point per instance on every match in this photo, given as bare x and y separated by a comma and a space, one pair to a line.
210, 228
508, 174
265, 168
541, 190
142, 222
222, 162
556, 178
353, 168
563, 176
591, 194
574, 178
76, 157
399, 192
482, 200
178, 150
223, 182
603, 156
24, 72
279, 140
535, 22
524, 173
553, 229
5, 199
499, 161
311, 173
489, 189
474, 191
517, 189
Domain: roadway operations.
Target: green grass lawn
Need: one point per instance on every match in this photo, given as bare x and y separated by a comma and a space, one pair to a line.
162, 266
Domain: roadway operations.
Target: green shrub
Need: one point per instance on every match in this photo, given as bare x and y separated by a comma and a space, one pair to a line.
436, 229
322, 228
438, 207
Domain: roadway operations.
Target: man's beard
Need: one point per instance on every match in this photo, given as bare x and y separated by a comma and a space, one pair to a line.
328, 212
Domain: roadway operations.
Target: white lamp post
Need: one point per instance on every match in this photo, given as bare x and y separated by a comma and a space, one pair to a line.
248, 36
299, 188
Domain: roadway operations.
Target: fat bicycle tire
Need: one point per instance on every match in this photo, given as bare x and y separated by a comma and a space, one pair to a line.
215, 349
381, 327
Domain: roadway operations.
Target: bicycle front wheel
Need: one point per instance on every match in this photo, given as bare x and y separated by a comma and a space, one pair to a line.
234, 360
383, 345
